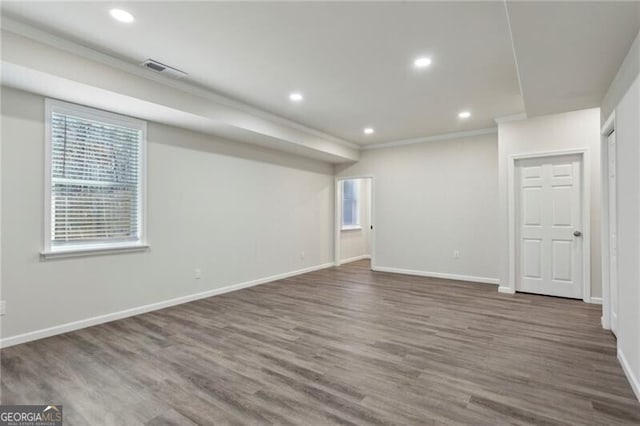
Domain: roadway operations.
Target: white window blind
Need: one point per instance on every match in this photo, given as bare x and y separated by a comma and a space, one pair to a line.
96, 182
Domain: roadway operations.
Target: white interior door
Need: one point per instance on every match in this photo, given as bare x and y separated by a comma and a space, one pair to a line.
549, 214
613, 231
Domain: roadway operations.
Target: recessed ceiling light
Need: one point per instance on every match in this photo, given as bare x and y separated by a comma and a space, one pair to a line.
368, 131
122, 15
422, 62
296, 97
464, 114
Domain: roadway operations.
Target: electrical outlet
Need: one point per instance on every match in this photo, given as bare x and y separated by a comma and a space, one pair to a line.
197, 274
456, 254
3, 307
301, 255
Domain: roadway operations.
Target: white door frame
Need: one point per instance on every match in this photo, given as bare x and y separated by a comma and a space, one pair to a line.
608, 127
586, 216
338, 216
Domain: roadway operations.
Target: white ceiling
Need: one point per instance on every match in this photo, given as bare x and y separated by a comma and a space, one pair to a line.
353, 61
568, 52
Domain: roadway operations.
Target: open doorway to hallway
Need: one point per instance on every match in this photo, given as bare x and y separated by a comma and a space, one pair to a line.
354, 224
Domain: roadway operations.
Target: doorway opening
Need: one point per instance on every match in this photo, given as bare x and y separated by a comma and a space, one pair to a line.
354, 219
609, 226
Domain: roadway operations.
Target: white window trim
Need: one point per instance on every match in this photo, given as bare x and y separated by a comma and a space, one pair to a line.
351, 227
106, 117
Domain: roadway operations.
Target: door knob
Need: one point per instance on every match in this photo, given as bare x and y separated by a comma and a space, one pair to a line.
577, 233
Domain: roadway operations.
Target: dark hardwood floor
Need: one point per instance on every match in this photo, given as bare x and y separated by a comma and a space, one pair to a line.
339, 346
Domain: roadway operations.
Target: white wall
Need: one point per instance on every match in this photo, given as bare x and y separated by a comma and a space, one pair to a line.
236, 211
431, 199
356, 243
624, 78
623, 98
627, 130
570, 130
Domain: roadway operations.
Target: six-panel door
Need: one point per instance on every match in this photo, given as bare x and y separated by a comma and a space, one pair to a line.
549, 245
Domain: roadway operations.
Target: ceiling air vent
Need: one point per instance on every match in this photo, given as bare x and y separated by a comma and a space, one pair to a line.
163, 69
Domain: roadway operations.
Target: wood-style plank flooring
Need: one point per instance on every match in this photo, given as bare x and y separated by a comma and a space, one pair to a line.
338, 346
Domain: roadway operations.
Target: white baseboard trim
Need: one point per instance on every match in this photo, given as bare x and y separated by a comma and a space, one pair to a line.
596, 300
76, 325
635, 383
445, 276
355, 259
506, 290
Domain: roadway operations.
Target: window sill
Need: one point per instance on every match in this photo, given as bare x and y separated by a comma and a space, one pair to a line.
351, 228
93, 251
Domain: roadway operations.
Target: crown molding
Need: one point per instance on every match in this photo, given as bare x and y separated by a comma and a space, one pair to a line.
434, 138
510, 118
28, 31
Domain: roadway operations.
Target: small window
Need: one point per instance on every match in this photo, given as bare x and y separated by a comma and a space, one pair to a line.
351, 204
94, 180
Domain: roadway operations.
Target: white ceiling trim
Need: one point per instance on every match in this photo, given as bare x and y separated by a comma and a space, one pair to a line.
44, 37
509, 118
442, 137
53, 86
515, 56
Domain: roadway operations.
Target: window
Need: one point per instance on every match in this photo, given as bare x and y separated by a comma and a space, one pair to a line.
351, 204
94, 180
